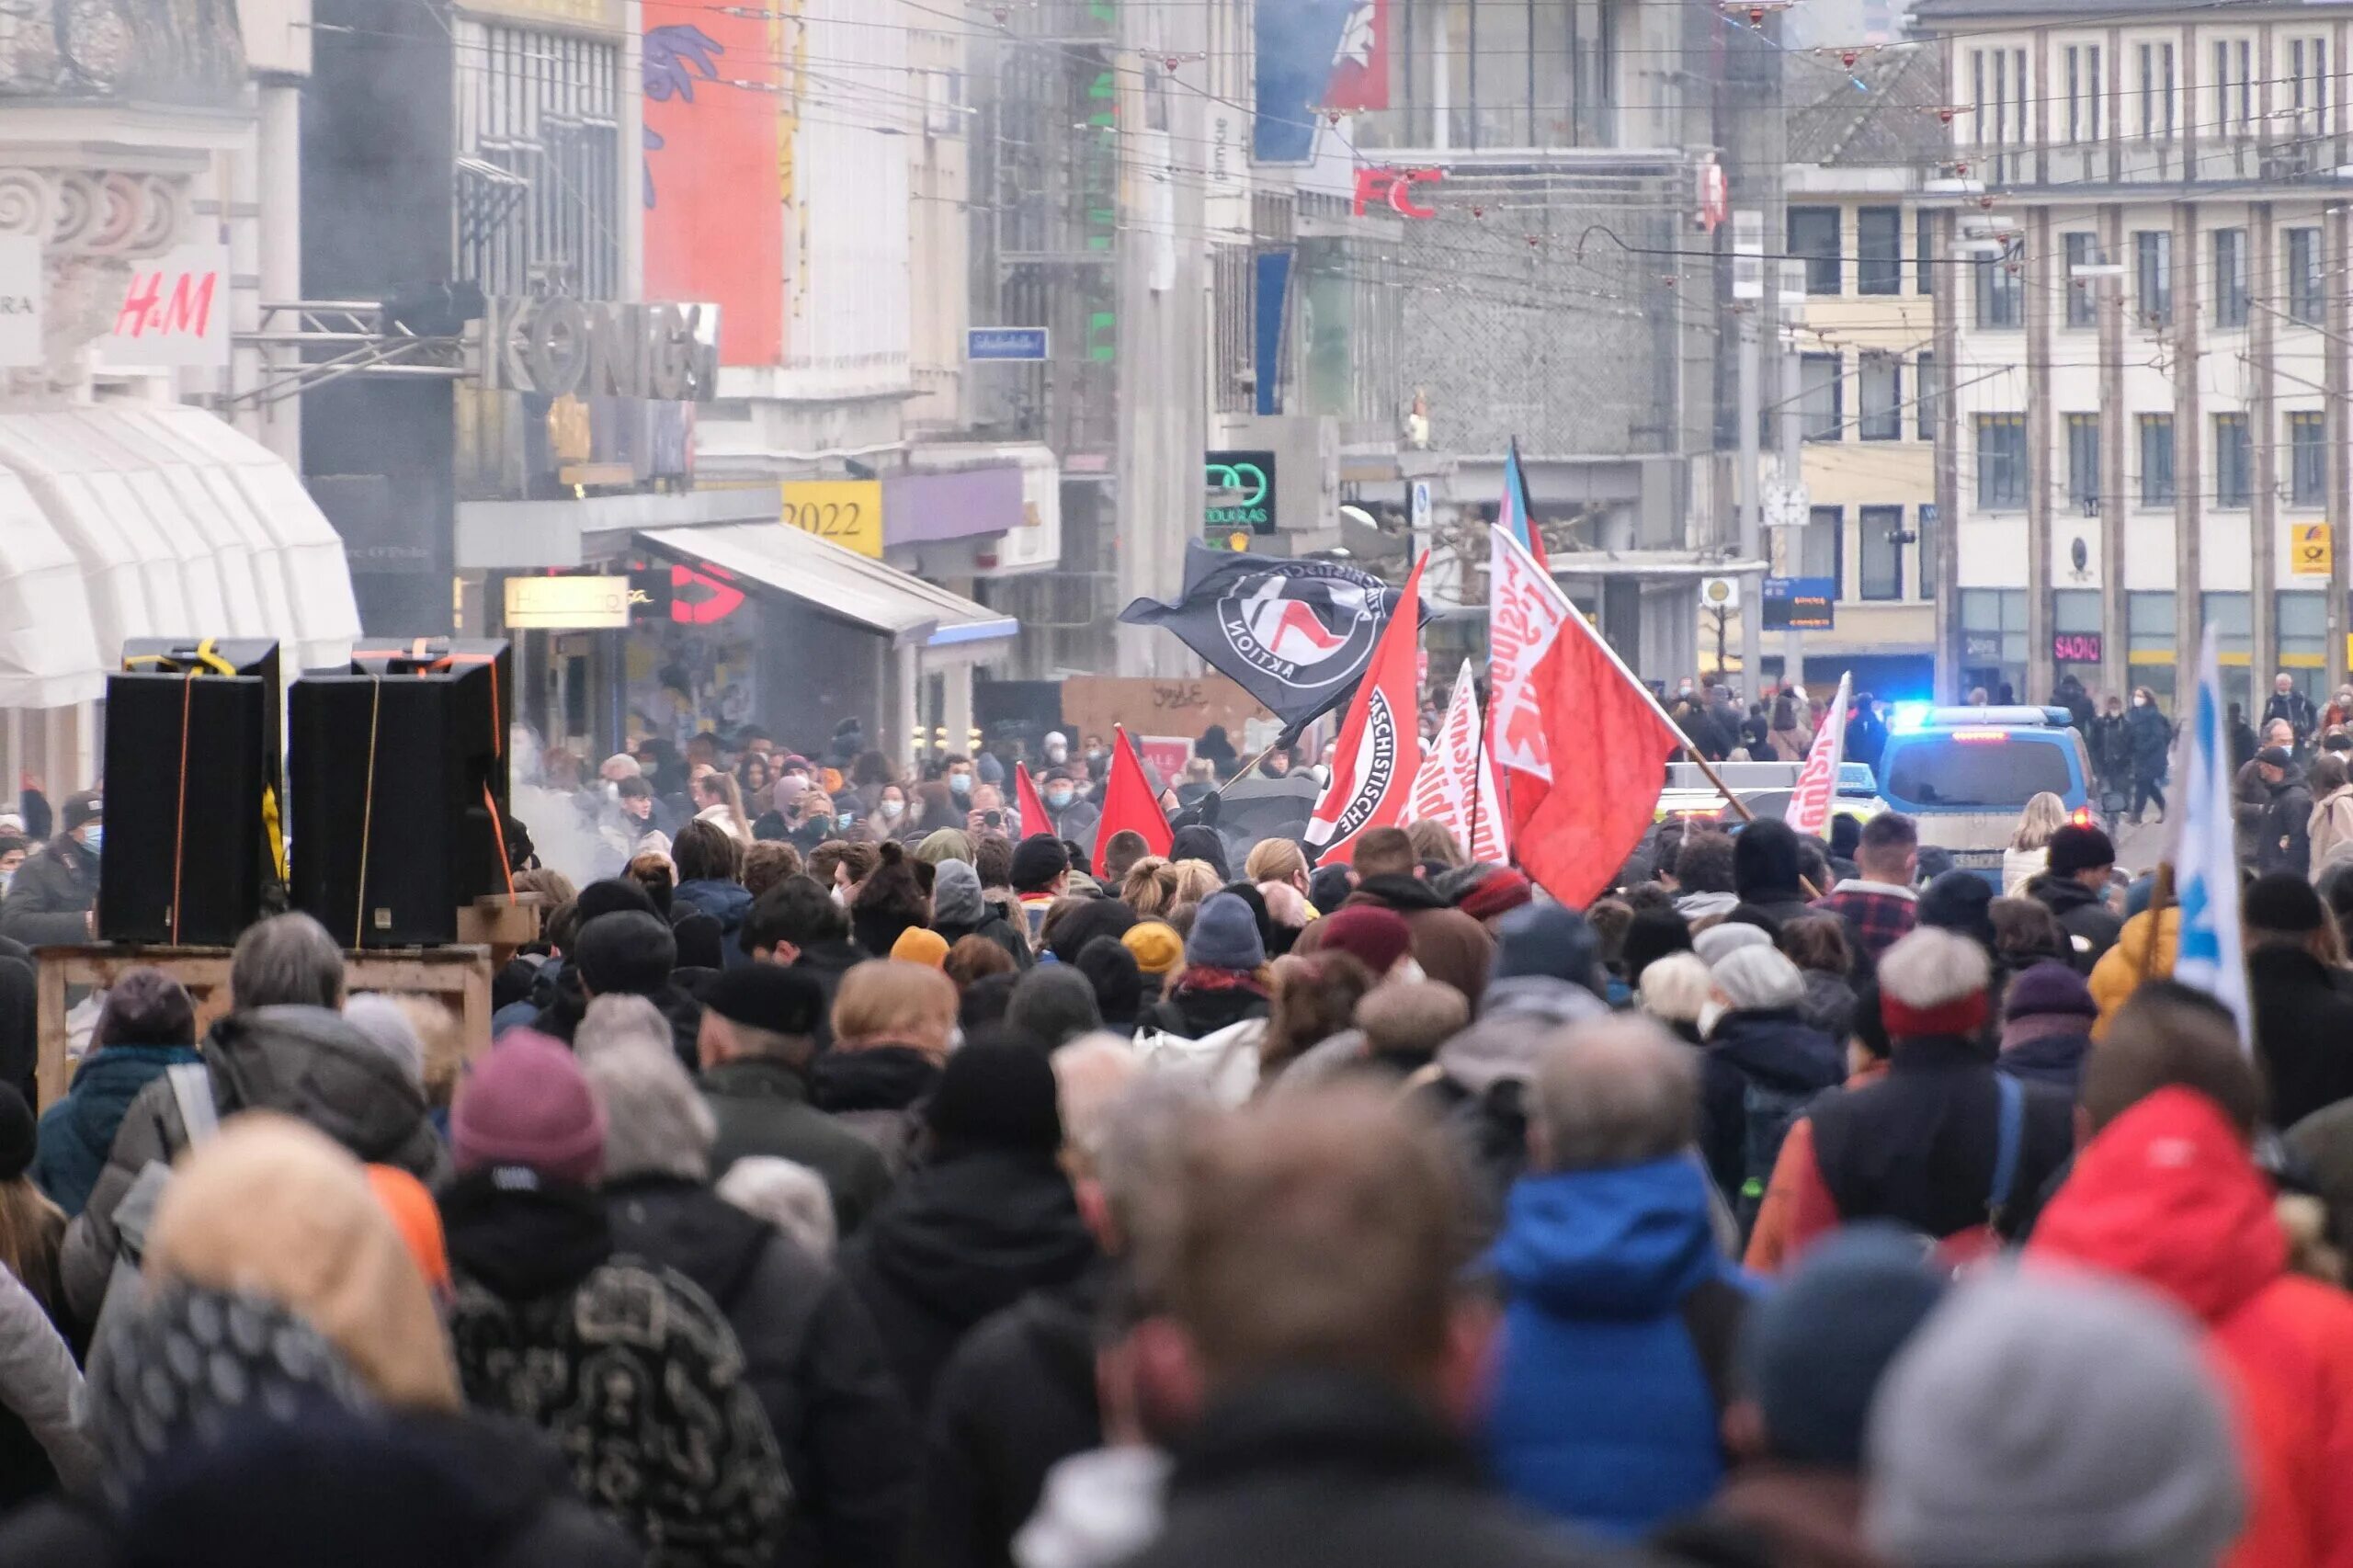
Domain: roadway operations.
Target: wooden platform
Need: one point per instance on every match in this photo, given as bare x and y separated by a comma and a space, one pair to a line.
458, 976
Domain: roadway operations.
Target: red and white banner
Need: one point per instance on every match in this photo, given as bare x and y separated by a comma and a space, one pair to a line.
1817, 784
1524, 609
1380, 742
1456, 786
1605, 739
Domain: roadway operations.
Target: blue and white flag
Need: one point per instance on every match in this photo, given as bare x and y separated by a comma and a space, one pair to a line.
2205, 865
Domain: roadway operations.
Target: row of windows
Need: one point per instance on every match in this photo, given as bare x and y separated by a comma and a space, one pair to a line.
2001, 284
2001, 461
1822, 549
1816, 233
2142, 99
1879, 398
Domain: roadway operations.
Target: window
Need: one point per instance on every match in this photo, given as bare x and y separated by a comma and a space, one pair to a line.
2082, 464
1821, 408
1927, 388
2229, 459
2153, 275
1882, 566
2230, 278
1821, 547
2086, 89
1949, 772
1879, 250
2001, 462
2156, 92
2083, 295
2305, 302
2307, 458
1814, 234
2001, 295
1923, 254
2308, 77
1928, 531
1879, 395
1998, 81
2233, 85
2157, 459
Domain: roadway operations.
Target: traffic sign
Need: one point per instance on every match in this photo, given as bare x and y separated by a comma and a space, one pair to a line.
1017, 344
1421, 507
1719, 593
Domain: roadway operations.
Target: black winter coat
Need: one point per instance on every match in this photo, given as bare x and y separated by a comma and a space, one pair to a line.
810, 1354
1195, 1012
762, 1107
965, 1236
1759, 1070
51, 896
1331, 1468
2083, 913
2284, 842
1016, 1398
873, 1092
2303, 1032
2151, 741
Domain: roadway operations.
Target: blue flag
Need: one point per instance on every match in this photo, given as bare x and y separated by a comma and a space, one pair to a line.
2205, 861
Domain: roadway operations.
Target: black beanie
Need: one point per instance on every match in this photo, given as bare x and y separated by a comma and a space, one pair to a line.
2284, 901
16, 1138
997, 1096
1649, 936
611, 897
629, 953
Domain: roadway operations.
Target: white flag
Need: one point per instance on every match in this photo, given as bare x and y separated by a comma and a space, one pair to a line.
1456, 786
1817, 785
2206, 866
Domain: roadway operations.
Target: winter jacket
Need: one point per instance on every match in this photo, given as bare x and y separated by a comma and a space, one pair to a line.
2151, 738
1486, 1073
2284, 841
1829, 1005
726, 902
2331, 829
1330, 1467
2111, 747
1448, 945
810, 1354
40, 1386
77, 1133
2303, 1031
1878, 916
2092, 927
762, 1107
1603, 1416
872, 1094
2167, 1195
959, 910
2296, 707
561, 1018
1016, 1398
2121, 970
2048, 1049
965, 1236
305, 1061
51, 896
1761, 1070
2020, 867
1777, 1516
1197, 1012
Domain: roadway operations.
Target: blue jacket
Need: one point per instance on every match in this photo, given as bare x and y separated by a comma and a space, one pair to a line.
77, 1133
727, 902
1602, 1413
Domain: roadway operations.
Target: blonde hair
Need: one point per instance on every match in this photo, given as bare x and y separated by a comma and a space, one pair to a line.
1275, 860
892, 1002
1433, 841
2044, 816
723, 785
1151, 887
32, 1235
1675, 987
441, 1043
1196, 880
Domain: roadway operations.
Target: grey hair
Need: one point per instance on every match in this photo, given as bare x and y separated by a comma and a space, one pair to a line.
656, 1121
618, 1023
788, 1195
1137, 1144
1615, 1091
1090, 1073
386, 1024
1677, 987
286, 960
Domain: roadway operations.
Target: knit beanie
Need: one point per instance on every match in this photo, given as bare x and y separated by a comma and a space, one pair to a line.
997, 1096
1498, 892
2075, 849
776, 997
1764, 860
1649, 936
1758, 979
2049, 989
916, 945
1036, 861
2052, 1420
1550, 940
1225, 935
1159, 950
528, 1103
1378, 937
1813, 1352
1934, 982
2283, 902
1718, 943
1054, 1004
17, 1143
1958, 901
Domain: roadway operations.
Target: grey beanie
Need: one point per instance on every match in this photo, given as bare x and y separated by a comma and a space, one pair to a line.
2052, 1420
1717, 942
1758, 979
1226, 934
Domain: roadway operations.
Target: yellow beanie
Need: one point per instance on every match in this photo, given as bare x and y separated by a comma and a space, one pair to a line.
1158, 950
916, 945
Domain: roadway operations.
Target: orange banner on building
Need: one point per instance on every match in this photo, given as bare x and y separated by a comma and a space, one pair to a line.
714, 223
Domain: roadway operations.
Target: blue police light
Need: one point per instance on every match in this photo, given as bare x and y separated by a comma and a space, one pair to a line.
1912, 716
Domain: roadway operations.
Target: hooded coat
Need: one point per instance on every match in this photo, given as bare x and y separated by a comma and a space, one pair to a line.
1447, 944
1603, 1415
1486, 1071
958, 910
77, 1133
2092, 927
1761, 1070
2168, 1196
725, 902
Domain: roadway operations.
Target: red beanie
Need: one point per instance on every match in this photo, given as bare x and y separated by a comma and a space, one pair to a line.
1376, 936
1498, 892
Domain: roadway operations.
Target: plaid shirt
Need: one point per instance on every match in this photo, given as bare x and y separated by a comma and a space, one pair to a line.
1877, 914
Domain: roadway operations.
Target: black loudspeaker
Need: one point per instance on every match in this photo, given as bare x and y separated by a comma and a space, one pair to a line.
193, 849
484, 665
399, 778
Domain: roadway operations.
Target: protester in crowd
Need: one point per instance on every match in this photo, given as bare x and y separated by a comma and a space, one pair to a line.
52, 897
2289, 706
146, 1026
282, 1046
1450, 945
1279, 861
2103, 1439
1434, 845
2028, 855
1221, 995
797, 923
976, 957
1041, 873
1651, 934
756, 1045
1879, 904
1118, 984
1703, 876
1159, 951
2145, 949
1679, 991
889, 900
2303, 1017
1314, 1004
640, 831
2025, 934
987, 1217
1150, 887
893, 1023
2080, 864
719, 800
1817, 945
1603, 1416
1922, 1146
1768, 871
1787, 735
2331, 827
1764, 1062
2047, 1026
627, 953
2283, 837
959, 910
632, 1368
711, 864
1052, 1005
1121, 851
1379, 938
2152, 742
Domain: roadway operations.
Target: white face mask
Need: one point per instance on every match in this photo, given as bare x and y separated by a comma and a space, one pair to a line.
1710, 1013
1058, 799
2140, 702
894, 808
960, 783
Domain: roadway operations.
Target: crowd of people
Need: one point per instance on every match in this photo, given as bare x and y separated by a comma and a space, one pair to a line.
894, 1189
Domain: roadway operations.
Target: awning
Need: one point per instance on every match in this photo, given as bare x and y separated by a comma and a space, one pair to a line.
838, 583
176, 526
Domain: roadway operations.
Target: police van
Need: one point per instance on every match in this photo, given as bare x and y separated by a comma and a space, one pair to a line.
1965, 773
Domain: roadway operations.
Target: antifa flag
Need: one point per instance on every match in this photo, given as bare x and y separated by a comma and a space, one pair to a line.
1294, 635
1379, 748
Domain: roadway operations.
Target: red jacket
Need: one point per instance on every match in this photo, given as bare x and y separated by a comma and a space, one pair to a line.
2167, 1195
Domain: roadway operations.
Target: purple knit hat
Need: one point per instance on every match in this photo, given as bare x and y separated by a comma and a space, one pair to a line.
527, 1104
2047, 989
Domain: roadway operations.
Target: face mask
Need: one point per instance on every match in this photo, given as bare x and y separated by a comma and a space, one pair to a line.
844, 819
1094, 755
90, 839
960, 783
894, 808
840, 895
1056, 753
1058, 799
1710, 1014
2140, 702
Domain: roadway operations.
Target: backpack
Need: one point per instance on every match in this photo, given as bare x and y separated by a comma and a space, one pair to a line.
1767, 1114
1978, 1243
191, 1085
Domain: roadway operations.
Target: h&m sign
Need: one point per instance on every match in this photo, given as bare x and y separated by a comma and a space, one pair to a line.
601, 348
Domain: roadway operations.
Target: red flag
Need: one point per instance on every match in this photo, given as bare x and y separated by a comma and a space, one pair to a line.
1026, 805
1456, 786
1128, 805
1606, 744
1381, 741
1524, 609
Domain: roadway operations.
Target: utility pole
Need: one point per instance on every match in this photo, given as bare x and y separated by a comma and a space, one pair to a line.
1748, 303
1792, 433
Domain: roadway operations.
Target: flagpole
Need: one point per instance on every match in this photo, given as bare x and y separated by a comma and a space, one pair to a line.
1478, 768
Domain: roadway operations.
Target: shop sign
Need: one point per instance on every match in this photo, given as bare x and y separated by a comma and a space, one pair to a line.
847, 511
2075, 647
2314, 553
601, 348
1241, 496
567, 604
20, 299
174, 311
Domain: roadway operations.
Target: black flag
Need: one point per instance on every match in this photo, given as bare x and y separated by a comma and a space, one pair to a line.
1295, 635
